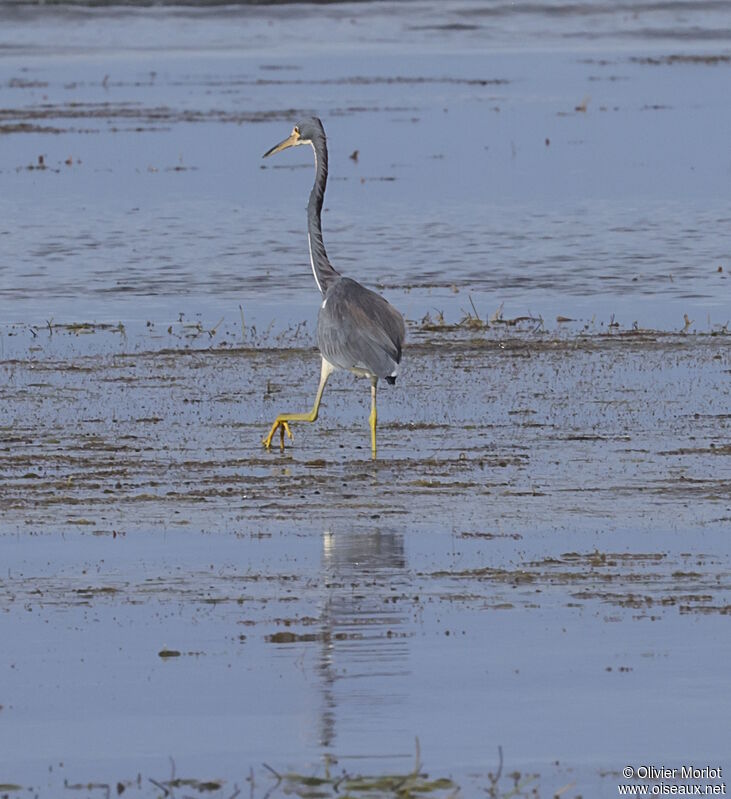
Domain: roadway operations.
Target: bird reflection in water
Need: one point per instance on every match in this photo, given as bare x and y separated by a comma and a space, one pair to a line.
364, 662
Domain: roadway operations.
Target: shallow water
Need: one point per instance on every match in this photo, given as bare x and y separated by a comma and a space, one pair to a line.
475, 171
538, 555
538, 560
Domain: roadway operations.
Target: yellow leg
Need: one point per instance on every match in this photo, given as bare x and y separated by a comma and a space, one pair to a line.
373, 418
280, 423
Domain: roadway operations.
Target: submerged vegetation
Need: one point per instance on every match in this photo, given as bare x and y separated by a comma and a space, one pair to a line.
268, 783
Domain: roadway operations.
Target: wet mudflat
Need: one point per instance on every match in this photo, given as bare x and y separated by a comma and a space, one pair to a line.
555, 515
536, 564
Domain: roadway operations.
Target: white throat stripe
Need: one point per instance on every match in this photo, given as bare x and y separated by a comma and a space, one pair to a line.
312, 263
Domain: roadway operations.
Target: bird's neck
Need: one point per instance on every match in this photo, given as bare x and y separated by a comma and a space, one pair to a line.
322, 269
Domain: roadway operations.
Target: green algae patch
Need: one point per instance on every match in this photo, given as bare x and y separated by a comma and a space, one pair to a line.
204, 786
403, 786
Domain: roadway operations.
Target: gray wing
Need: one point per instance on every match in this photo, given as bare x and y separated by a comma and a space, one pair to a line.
358, 329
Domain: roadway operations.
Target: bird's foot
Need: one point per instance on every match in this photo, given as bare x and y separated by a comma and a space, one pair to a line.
283, 427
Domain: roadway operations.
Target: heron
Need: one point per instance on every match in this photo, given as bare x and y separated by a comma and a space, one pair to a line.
357, 329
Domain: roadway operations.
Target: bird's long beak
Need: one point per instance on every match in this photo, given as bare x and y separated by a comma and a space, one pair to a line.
290, 141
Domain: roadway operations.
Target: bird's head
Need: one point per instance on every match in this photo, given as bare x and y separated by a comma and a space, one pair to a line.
308, 131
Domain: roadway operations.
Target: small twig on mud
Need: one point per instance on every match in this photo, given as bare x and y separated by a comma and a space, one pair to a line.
417, 760
276, 784
519, 788
251, 782
495, 778
498, 315
212, 331
243, 326
162, 787
477, 316
470, 321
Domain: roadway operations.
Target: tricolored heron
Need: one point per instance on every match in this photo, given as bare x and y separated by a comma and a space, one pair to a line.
356, 328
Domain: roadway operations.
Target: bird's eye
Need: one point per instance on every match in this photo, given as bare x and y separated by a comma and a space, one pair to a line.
296, 131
